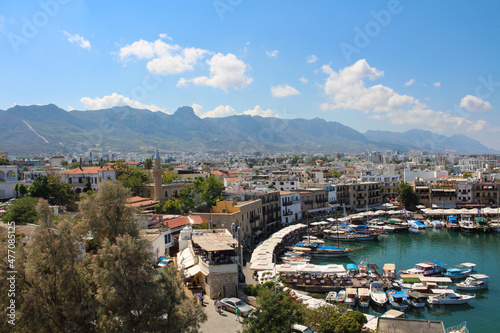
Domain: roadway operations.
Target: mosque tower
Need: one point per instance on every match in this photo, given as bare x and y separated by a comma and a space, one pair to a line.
157, 175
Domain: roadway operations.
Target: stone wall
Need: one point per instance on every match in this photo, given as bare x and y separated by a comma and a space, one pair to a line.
225, 283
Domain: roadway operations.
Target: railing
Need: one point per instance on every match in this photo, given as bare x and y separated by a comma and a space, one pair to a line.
254, 218
288, 213
308, 202
287, 203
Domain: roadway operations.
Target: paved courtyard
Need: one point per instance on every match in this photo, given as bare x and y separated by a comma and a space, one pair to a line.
224, 323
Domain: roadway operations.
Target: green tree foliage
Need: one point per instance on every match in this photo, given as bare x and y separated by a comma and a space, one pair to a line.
4, 161
335, 173
274, 313
189, 199
52, 189
148, 164
271, 186
211, 190
105, 214
21, 190
22, 211
58, 289
169, 176
172, 206
467, 175
329, 319
407, 196
64, 164
131, 177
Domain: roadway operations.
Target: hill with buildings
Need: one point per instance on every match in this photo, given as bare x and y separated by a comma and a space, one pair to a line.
36, 129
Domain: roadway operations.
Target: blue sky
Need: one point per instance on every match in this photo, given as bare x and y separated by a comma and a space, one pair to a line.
380, 65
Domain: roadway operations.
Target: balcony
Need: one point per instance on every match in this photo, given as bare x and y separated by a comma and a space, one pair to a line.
321, 200
308, 202
287, 203
287, 213
254, 218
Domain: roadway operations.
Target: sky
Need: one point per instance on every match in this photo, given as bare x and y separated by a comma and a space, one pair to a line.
371, 65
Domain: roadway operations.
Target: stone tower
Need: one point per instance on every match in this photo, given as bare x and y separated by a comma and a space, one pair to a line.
157, 175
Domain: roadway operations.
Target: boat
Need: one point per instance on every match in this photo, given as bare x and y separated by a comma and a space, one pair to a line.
437, 224
495, 224
398, 299
377, 293
340, 296
452, 223
449, 298
351, 269
428, 223
331, 296
416, 299
481, 224
364, 297
319, 250
398, 225
416, 225
474, 282
339, 235
428, 268
466, 224
389, 271
462, 270
363, 233
351, 295
380, 225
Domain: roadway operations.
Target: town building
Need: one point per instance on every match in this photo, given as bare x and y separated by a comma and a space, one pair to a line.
8, 180
290, 207
81, 177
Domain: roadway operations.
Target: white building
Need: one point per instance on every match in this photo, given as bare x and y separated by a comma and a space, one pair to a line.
290, 207
8, 180
159, 240
79, 177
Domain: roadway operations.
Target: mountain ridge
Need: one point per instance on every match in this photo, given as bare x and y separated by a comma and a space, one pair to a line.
27, 129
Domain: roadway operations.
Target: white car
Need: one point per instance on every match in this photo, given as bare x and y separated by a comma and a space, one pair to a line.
230, 304
165, 262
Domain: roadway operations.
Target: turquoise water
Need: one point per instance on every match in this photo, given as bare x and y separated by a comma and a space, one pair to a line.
450, 247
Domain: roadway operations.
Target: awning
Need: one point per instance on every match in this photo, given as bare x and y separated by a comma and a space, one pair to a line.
318, 209
192, 271
185, 258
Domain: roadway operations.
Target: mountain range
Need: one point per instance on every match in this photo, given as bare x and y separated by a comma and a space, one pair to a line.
35, 129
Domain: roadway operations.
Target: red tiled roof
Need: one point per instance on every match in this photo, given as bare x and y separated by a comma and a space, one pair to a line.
140, 202
88, 170
184, 220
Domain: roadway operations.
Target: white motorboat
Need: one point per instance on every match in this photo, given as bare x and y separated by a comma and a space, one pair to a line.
331, 296
450, 298
364, 297
474, 282
340, 296
377, 293
437, 224
416, 225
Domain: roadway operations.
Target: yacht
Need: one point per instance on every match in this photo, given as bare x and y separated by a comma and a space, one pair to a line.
377, 293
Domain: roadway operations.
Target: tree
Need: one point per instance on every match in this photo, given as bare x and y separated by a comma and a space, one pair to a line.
40, 188
22, 211
4, 161
467, 175
172, 206
338, 319
105, 214
169, 176
21, 190
407, 196
64, 164
271, 186
212, 190
131, 177
274, 313
335, 173
52, 189
148, 164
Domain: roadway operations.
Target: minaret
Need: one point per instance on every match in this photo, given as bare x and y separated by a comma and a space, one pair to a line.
157, 175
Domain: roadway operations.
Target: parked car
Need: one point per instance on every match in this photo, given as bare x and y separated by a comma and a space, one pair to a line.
230, 304
165, 262
297, 328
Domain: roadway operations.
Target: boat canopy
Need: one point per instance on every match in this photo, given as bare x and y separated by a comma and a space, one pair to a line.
416, 294
479, 276
363, 292
436, 279
438, 263
376, 284
400, 294
442, 291
389, 267
467, 264
334, 248
351, 267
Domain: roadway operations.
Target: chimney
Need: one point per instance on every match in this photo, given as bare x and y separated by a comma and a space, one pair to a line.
235, 201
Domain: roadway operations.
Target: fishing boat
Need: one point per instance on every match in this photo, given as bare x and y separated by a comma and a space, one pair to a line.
463, 270
380, 225
481, 224
377, 293
364, 297
428, 223
331, 296
398, 299
467, 224
339, 235
351, 295
452, 223
351, 269
449, 298
495, 224
416, 299
428, 268
398, 225
340, 296
389, 271
474, 282
319, 250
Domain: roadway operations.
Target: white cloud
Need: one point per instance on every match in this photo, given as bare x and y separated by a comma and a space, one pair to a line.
70, 108
346, 90
437, 84
475, 104
312, 59
410, 82
165, 36
303, 79
283, 91
226, 71
227, 110
164, 58
115, 100
272, 53
79, 40
259, 111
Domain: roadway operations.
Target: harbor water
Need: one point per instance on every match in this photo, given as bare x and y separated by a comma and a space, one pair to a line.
450, 247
